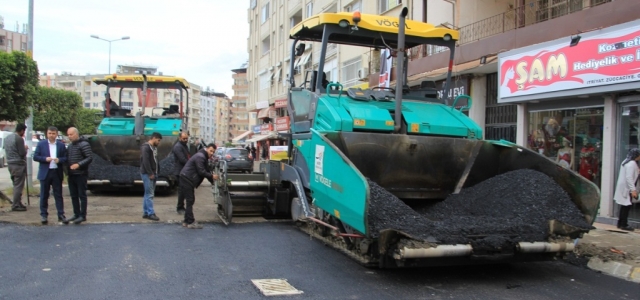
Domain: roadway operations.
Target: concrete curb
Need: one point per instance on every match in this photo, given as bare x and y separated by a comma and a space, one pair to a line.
615, 269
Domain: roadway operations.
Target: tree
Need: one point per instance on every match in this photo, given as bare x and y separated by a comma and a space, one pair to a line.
54, 107
18, 85
86, 120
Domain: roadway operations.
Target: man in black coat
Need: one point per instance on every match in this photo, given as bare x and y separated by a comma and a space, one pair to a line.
193, 173
79, 156
181, 156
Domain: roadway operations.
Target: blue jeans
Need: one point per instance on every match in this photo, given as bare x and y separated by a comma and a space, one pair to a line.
149, 191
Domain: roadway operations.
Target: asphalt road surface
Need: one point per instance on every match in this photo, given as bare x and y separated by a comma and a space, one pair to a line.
166, 261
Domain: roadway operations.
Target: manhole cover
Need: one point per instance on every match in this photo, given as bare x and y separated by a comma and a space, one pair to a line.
275, 287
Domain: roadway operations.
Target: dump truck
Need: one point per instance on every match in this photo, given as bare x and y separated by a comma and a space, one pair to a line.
381, 173
121, 133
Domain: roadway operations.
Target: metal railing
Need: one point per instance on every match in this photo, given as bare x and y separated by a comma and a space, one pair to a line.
529, 14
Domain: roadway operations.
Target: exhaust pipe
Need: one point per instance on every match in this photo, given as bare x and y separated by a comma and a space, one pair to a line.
466, 250
400, 70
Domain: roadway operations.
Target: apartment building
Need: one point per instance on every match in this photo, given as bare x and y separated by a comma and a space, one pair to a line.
93, 95
222, 120
240, 122
13, 40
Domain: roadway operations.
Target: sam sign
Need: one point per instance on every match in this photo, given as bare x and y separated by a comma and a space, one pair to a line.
602, 59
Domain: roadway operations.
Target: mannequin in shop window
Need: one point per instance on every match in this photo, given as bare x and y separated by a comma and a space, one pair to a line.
565, 154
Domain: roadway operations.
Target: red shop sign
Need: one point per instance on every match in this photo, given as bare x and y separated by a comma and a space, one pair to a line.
602, 59
265, 128
280, 103
282, 124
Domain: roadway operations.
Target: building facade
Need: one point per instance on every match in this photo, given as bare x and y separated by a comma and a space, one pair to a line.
13, 40
240, 126
222, 121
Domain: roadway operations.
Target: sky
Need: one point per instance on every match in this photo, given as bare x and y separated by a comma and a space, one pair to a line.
200, 40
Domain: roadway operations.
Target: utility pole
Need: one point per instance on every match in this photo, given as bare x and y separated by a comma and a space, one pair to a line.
29, 120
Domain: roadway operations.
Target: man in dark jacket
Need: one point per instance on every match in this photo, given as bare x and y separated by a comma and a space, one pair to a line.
193, 173
181, 156
52, 155
149, 169
79, 156
16, 156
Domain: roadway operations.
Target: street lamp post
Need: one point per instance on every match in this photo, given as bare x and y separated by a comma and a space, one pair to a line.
120, 39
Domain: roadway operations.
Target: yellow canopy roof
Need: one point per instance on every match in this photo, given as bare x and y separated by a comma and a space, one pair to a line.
373, 30
136, 80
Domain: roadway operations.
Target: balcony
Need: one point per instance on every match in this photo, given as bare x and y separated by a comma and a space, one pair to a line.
521, 27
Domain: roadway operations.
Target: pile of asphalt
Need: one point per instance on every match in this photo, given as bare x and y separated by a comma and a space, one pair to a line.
501, 211
124, 174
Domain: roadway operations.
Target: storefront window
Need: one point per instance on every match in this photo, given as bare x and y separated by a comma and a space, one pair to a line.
630, 135
573, 138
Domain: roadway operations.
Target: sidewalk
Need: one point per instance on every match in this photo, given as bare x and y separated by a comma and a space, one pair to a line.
611, 251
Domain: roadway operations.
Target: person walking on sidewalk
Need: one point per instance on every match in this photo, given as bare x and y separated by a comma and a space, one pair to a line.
193, 173
626, 187
79, 157
52, 155
181, 156
16, 155
149, 170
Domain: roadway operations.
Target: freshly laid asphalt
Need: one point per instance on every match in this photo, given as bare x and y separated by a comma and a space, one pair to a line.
166, 261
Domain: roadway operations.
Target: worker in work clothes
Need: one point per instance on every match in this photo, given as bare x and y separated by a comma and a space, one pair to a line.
149, 169
181, 156
626, 187
16, 156
193, 173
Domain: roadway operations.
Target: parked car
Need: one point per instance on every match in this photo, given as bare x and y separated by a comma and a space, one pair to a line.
238, 160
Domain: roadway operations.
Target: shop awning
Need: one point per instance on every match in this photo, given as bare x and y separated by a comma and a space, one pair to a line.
242, 136
439, 74
261, 137
264, 113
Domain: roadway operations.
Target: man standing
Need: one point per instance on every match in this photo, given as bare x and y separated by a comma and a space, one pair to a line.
181, 156
51, 154
196, 170
16, 155
79, 156
149, 173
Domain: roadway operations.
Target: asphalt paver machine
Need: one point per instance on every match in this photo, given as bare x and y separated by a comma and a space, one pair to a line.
412, 143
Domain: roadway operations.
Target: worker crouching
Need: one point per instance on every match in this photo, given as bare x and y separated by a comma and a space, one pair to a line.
194, 172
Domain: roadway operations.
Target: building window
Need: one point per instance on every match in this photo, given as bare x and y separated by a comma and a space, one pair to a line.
309, 9
265, 81
266, 45
9, 45
87, 105
23, 47
264, 15
388, 4
354, 6
350, 71
95, 94
297, 18
281, 34
127, 105
1, 40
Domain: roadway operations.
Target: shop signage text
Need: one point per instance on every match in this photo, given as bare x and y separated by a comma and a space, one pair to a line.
459, 86
280, 103
256, 129
282, 124
266, 128
603, 59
